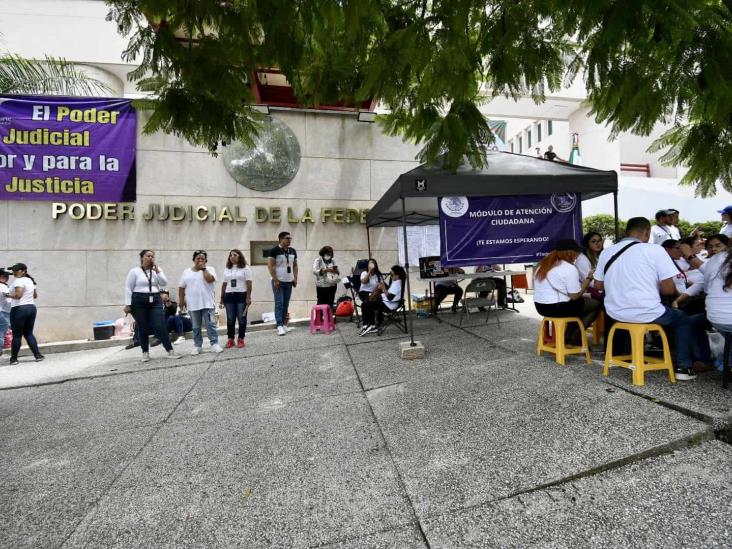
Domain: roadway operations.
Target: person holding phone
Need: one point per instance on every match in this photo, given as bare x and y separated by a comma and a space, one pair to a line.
142, 299
282, 264
326, 276
236, 296
196, 294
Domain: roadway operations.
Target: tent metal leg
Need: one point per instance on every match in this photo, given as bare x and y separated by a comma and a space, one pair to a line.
409, 286
368, 241
617, 222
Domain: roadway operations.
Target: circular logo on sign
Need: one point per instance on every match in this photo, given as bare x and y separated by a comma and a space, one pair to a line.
564, 202
454, 206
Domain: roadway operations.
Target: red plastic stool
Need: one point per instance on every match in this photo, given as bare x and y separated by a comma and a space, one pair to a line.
321, 319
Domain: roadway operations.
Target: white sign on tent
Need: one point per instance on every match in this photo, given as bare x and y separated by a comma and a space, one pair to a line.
424, 241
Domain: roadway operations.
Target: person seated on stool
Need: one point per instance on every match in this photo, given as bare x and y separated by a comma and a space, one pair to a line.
443, 288
558, 291
175, 322
387, 298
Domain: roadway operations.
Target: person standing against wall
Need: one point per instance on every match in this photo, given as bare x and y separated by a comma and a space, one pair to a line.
22, 292
326, 276
142, 299
282, 264
236, 296
196, 294
4, 306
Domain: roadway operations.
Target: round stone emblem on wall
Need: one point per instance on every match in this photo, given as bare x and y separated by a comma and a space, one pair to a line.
271, 163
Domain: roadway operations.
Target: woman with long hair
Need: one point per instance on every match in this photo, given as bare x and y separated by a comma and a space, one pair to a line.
592, 245
22, 293
715, 244
558, 291
236, 296
387, 298
370, 280
142, 299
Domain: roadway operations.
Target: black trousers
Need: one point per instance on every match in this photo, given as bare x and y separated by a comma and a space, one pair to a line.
150, 317
326, 295
22, 320
442, 291
370, 309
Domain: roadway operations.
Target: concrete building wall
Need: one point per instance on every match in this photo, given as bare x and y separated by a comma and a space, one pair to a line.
596, 148
80, 266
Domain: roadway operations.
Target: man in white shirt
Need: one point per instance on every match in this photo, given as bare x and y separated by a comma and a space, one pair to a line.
674, 225
632, 273
661, 231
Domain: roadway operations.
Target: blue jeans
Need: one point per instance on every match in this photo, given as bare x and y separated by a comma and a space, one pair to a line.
178, 324
689, 338
4, 325
22, 320
209, 316
235, 303
149, 317
282, 301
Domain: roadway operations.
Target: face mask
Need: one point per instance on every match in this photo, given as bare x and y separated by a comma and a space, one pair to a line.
327, 257
372, 266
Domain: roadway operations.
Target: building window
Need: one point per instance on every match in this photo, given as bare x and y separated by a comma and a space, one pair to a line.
528, 138
521, 144
548, 127
538, 132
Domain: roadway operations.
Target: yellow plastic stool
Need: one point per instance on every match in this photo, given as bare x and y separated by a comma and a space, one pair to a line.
639, 363
560, 350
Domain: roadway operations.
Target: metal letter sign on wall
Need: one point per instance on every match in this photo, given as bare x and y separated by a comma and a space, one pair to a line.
506, 229
271, 163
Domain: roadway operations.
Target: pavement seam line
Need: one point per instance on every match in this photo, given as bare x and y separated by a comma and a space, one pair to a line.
357, 537
398, 473
689, 441
94, 507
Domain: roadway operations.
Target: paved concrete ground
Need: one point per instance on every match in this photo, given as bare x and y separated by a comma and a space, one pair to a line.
333, 441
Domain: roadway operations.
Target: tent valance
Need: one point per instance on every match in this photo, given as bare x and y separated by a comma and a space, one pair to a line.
505, 174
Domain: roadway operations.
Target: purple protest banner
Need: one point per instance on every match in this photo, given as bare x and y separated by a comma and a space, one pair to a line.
505, 229
67, 149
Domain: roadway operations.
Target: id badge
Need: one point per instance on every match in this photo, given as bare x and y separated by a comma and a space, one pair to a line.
233, 283
150, 299
289, 270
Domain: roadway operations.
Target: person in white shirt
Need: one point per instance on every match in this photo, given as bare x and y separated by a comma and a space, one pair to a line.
558, 291
4, 306
327, 276
388, 299
727, 220
634, 275
22, 293
283, 268
662, 229
716, 244
592, 245
370, 280
236, 296
196, 295
142, 299
674, 224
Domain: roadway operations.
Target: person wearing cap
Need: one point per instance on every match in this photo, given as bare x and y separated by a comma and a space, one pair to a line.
196, 295
4, 306
674, 225
558, 291
661, 231
727, 220
22, 293
634, 275
142, 299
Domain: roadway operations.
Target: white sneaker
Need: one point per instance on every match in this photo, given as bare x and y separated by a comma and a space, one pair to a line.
365, 330
145, 357
196, 351
180, 340
281, 330
216, 348
173, 356
371, 330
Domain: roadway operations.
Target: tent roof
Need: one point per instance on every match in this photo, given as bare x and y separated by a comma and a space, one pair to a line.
505, 174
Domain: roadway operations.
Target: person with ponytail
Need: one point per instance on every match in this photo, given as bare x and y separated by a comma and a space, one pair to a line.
22, 292
558, 291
